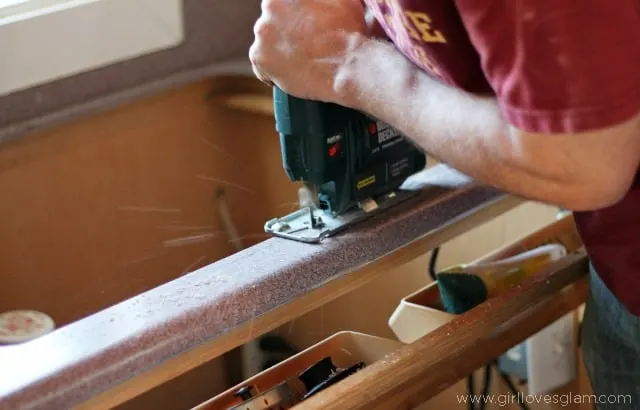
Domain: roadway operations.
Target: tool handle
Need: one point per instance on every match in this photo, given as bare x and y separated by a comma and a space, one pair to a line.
281, 109
301, 125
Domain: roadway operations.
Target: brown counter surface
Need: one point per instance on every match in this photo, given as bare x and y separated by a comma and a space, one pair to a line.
77, 362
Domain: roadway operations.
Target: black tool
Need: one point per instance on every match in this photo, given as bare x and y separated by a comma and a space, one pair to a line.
350, 163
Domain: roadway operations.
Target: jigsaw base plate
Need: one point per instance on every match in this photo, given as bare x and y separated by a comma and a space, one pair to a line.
311, 224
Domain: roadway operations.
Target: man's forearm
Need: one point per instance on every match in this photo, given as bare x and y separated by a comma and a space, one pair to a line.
462, 130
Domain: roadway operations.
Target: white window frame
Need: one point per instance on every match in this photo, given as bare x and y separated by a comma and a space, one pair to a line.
45, 40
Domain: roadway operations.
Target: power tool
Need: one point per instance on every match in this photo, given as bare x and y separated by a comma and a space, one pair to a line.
351, 166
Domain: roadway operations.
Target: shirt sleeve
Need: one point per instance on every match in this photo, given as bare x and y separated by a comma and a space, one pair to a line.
559, 66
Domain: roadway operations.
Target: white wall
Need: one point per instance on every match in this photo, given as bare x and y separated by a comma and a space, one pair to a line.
45, 40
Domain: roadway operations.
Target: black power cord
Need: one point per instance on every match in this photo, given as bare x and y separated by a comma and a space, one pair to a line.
487, 386
512, 387
433, 259
507, 381
471, 392
432, 263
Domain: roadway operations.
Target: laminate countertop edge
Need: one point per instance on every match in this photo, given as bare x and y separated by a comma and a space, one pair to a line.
31, 126
97, 353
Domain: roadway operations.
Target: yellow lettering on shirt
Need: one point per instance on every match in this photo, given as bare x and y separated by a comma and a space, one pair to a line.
418, 26
409, 27
422, 23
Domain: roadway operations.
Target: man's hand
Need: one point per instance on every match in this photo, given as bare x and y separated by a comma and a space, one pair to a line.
300, 45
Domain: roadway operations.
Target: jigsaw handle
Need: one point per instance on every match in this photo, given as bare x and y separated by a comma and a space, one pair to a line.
300, 124
285, 127
281, 111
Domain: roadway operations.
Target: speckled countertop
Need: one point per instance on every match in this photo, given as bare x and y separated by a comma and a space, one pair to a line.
76, 362
218, 35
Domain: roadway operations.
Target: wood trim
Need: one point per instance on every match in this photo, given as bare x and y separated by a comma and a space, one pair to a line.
182, 363
419, 371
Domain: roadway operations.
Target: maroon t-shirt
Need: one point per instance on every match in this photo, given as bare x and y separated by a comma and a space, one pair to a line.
555, 67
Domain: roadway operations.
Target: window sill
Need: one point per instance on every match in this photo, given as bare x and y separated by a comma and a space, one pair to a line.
45, 40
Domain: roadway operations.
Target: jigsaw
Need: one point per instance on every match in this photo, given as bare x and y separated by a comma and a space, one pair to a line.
351, 166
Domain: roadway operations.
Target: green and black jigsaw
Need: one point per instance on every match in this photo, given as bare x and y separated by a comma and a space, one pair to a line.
350, 163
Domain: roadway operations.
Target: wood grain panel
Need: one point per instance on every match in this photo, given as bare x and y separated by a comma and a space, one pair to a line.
108, 207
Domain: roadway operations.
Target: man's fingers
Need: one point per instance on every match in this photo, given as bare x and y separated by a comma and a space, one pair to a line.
265, 29
273, 7
256, 58
265, 35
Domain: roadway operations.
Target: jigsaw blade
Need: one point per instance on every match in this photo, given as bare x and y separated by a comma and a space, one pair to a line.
307, 196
